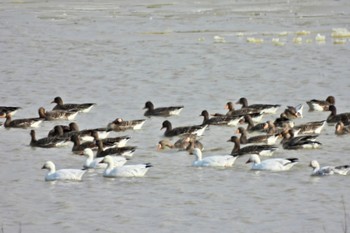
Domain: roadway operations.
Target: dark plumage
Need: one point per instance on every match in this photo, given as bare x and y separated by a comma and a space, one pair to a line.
220, 120
22, 123
126, 151
170, 131
334, 117
265, 108
120, 125
161, 111
261, 127
47, 142
291, 142
57, 114
314, 127
268, 139
85, 107
263, 150
321, 105
5, 110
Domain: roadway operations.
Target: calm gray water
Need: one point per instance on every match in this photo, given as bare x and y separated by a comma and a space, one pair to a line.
120, 54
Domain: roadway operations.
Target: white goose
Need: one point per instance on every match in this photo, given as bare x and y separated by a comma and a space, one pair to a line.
62, 174
275, 164
328, 170
137, 170
92, 162
212, 161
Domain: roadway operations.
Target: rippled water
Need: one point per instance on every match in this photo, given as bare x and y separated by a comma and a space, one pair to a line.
120, 54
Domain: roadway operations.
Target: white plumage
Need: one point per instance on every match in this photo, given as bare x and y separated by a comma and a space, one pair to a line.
212, 161
137, 170
92, 162
274, 164
62, 174
328, 170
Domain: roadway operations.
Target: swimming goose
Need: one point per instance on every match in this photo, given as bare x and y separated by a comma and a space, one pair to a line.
321, 105
137, 170
8, 110
48, 142
79, 147
57, 114
92, 162
161, 111
328, 170
333, 118
294, 112
274, 164
85, 107
65, 128
268, 139
283, 121
314, 127
186, 142
120, 125
86, 134
292, 142
118, 141
261, 127
22, 123
263, 150
264, 108
62, 174
238, 112
170, 132
220, 120
341, 128
126, 151
212, 161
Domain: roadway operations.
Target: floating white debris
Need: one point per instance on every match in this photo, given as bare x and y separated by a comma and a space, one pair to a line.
303, 33
297, 40
276, 41
308, 40
283, 34
320, 38
255, 40
339, 41
219, 39
240, 34
201, 39
340, 32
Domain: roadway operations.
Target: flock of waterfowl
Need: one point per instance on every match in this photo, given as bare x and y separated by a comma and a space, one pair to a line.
112, 153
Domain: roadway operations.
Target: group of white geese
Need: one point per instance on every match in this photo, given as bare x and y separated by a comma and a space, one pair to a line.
112, 153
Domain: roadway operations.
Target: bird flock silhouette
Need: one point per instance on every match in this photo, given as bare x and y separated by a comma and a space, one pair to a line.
260, 139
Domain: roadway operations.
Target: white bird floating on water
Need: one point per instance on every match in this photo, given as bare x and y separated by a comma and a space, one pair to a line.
212, 161
62, 174
137, 170
328, 170
274, 164
92, 162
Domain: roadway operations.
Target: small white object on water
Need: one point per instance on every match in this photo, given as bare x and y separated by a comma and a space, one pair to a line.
320, 38
340, 33
255, 40
303, 33
219, 39
276, 41
298, 40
